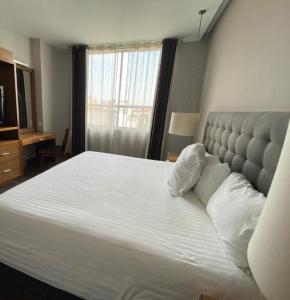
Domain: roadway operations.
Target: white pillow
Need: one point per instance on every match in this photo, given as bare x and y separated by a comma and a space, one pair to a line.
234, 209
211, 178
184, 174
211, 159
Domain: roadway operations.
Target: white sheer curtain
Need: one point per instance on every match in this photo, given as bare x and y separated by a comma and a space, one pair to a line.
121, 90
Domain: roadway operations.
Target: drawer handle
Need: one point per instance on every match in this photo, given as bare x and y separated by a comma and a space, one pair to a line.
5, 153
6, 171
40, 140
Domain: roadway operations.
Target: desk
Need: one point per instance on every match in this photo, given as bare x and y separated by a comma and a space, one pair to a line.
36, 137
39, 139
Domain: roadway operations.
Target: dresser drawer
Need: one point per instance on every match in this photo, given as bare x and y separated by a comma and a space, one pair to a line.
9, 151
10, 169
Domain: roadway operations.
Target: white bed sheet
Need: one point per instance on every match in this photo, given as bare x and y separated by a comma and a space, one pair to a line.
104, 226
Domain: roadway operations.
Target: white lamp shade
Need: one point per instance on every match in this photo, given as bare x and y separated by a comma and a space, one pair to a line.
269, 248
184, 124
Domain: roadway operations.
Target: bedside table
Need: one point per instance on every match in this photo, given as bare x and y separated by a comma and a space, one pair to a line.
172, 156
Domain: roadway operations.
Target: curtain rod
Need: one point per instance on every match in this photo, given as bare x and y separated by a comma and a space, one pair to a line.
132, 45
129, 45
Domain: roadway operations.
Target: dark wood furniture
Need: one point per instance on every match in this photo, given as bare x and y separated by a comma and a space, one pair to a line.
32, 103
12, 137
10, 149
36, 137
10, 160
57, 151
27, 126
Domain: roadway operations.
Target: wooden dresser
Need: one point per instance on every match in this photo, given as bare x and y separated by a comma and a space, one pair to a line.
10, 160
10, 147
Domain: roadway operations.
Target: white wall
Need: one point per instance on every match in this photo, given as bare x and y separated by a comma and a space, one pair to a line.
55, 81
248, 67
17, 43
185, 89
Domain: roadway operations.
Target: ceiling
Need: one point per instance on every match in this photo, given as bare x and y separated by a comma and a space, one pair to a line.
65, 22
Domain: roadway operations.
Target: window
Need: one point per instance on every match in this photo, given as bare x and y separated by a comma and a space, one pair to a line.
121, 87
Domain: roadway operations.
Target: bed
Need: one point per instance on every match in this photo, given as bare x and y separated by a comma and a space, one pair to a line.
101, 226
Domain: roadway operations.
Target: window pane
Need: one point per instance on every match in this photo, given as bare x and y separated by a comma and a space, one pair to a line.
101, 115
121, 88
104, 76
135, 117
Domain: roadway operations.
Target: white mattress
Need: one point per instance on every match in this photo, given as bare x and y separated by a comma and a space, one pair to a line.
104, 226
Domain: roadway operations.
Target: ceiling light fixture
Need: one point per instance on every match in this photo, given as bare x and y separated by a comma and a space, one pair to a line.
201, 13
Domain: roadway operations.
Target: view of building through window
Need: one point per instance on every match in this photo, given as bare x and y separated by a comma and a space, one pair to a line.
121, 87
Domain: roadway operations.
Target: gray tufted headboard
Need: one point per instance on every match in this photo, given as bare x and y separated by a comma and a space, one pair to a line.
250, 142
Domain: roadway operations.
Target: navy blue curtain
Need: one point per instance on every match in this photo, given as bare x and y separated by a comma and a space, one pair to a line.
78, 98
161, 99
21, 99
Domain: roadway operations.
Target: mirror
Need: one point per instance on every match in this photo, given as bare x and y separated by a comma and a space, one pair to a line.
26, 98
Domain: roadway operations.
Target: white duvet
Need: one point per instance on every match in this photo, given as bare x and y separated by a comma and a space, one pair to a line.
103, 226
